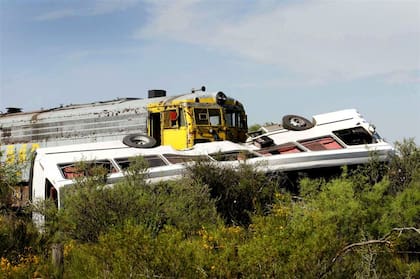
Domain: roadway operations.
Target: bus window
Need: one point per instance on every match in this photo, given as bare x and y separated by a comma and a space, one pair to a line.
355, 136
280, 149
325, 143
233, 155
70, 171
73, 170
177, 159
51, 192
152, 161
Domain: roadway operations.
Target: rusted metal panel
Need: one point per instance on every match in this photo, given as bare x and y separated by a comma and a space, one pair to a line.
76, 123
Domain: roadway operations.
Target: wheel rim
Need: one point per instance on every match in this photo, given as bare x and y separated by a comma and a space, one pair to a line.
297, 122
139, 140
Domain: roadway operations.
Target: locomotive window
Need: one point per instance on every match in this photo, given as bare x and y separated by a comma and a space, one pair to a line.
214, 115
181, 117
201, 117
230, 118
208, 117
242, 120
234, 119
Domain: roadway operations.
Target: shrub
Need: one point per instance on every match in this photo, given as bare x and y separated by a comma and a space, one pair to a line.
91, 207
238, 192
404, 166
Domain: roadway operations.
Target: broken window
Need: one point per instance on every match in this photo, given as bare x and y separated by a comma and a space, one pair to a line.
80, 169
71, 171
280, 149
177, 159
233, 155
324, 143
152, 161
354, 136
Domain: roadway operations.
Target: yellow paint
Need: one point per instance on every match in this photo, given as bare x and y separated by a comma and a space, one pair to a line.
10, 154
19, 156
22, 153
177, 138
35, 146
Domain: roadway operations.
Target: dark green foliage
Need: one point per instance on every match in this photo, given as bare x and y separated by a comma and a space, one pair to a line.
405, 166
239, 192
8, 179
17, 235
254, 128
135, 254
362, 224
91, 207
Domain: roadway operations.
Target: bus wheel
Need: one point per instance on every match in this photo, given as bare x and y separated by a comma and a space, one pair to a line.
139, 141
296, 123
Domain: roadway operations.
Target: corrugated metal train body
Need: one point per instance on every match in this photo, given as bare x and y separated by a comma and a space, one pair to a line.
72, 124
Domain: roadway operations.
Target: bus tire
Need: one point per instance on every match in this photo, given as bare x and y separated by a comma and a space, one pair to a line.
139, 141
296, 123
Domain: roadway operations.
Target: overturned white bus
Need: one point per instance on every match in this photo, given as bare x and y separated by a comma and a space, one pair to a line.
334, 140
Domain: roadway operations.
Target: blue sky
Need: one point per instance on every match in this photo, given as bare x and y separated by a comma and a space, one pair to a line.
276, 57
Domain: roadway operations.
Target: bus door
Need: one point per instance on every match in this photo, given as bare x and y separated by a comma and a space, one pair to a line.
154, 127
174, 128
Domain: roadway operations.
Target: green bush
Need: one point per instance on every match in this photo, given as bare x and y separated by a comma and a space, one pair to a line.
8, 179
91, 207
19, 239
238, 192
133, 251
341, 228
404, 166
363, 224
